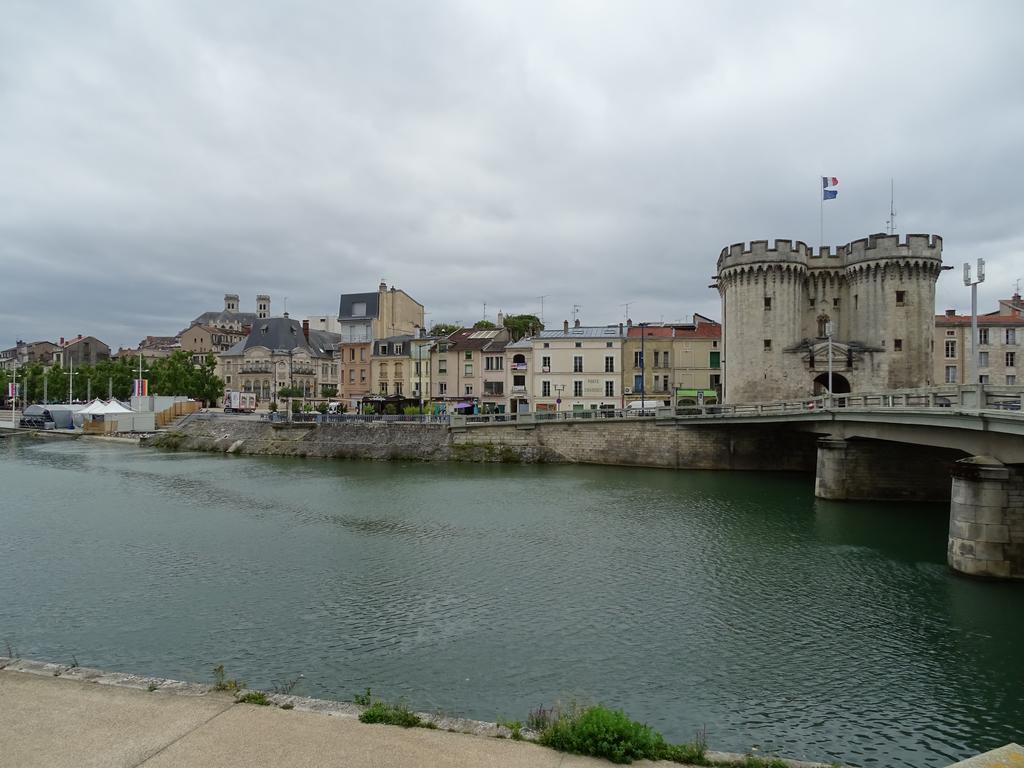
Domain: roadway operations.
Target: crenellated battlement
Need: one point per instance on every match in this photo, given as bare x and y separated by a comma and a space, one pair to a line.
873, 247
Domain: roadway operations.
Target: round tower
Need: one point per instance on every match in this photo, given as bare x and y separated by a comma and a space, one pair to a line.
876, 296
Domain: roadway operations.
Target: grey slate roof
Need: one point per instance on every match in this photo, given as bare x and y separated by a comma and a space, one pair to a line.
285, 334
222, 317
585, 332
348, 300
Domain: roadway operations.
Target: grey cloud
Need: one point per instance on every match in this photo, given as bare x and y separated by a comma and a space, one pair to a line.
595, 153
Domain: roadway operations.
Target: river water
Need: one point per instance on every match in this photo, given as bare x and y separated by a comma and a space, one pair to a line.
735, 601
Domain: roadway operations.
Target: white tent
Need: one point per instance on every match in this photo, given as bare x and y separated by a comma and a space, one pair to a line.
93, 407
113, 407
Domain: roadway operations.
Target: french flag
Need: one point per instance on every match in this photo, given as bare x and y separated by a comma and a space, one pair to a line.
826, 182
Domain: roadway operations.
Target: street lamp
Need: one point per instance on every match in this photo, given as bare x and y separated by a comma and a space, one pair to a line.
828, 333
974, 316
643, 362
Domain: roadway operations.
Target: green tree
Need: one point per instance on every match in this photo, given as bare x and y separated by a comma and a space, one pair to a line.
205, 385
483, 325
56, 384
5, 379
443, 329
523, 325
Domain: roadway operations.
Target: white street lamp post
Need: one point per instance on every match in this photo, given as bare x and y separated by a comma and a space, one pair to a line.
972, 368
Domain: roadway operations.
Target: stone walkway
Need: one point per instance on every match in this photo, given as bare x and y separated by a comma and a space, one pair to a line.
53, 716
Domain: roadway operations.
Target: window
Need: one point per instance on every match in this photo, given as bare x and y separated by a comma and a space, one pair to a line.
983, 335
835, 302
1011, 335
657, 359
983, 359
351, 375
715, 360
856, 301
951, 333
359, 309
545, 364
951, 374
609, 364
362, 375
546, 345
577, 389
383, 350
442, 366
901, 298
398, 387
383, 387
442, 387
767, 345
811, 303
983, 378
519, 381
1011, 379
950, 349
609, 389
767, 303
897, 345
577, 364
418, 370
1011, 359
545, 389
608, 344
579, 344
638, 383
467, 369
638, 359
494, 363
469, 389
469, 354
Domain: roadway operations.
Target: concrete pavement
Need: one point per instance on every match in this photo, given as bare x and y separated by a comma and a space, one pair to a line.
56, 722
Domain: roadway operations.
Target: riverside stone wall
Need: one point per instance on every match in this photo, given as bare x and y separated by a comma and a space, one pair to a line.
625, 443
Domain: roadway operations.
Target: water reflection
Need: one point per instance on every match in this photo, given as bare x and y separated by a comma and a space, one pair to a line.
735, 600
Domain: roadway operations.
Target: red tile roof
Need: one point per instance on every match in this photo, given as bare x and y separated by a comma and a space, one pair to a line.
701, 331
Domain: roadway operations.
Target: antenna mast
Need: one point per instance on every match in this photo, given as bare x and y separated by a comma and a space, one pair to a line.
890, 225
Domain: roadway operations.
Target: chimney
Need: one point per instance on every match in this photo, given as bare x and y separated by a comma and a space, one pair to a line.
62, 341
620, 329
305, 329
79, 337
950, 313
565, 326
383, 286
501, 319
629, 322
576, 324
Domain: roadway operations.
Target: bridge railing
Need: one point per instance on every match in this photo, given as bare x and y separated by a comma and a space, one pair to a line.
1003, 400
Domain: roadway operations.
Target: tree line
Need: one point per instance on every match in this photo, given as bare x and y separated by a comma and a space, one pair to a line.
173, 375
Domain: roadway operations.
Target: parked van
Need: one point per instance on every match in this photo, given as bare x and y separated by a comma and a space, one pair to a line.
643, 407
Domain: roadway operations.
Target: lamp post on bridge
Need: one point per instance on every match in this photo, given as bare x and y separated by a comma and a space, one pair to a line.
828, 333
972, 368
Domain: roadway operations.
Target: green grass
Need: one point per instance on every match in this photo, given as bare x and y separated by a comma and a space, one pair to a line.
393, 714
609, 733
221, 682
514, 727
254, 697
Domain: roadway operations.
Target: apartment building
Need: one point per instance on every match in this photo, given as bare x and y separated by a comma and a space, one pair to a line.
24, 353
469, 371
578, 368
79, 350
518, 357
1000, 334
660, 359
203, 340
354, 372
367, 317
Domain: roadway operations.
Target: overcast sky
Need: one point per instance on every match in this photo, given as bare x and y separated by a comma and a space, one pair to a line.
157, 154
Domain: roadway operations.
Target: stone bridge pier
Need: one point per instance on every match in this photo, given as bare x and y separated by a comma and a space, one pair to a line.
986, 519
986, 496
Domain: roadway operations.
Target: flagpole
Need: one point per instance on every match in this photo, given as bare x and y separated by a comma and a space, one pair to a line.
821, 215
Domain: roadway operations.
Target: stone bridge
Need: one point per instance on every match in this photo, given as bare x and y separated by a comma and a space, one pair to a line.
964, 444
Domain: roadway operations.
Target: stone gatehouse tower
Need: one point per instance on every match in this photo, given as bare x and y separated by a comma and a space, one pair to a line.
878, 293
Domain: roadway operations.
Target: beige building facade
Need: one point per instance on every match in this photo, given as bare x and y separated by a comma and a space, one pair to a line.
578, 368
876, 295
1000, 335
659, 359
203, 340
469, 371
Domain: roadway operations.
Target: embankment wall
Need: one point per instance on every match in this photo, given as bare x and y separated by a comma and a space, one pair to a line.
636, 443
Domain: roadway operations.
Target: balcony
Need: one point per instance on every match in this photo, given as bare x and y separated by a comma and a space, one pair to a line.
518, 366
255, 368
521, 390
